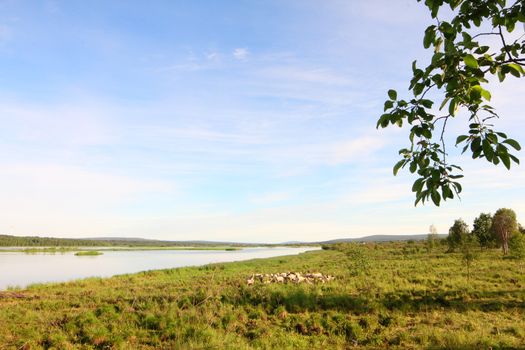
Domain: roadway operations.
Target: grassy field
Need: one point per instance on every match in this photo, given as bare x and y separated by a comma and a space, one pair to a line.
393, 295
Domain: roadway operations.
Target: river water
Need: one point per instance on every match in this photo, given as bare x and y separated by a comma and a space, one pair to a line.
18, 269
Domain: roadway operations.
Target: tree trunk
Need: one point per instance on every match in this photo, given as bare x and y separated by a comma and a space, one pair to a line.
505, 242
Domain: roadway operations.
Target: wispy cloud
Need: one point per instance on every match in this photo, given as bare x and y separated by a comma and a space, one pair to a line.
50, 196
293, 73
241, 53
63, 124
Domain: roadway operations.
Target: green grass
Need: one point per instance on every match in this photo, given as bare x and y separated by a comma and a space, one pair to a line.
88, 253
389, 296
47, 250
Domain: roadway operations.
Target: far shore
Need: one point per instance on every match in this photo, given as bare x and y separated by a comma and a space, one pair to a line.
107, 249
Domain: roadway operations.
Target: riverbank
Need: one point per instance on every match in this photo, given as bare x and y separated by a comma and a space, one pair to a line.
385, 295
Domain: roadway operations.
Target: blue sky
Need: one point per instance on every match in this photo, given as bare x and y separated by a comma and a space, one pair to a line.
220, 120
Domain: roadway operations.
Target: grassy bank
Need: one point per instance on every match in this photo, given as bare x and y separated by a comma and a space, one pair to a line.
384, 296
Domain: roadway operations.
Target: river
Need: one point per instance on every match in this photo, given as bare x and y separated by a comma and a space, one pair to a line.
19, 269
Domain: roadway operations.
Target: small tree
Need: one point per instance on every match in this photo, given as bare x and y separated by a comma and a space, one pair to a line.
517, 245
468, 252
359, 260
432, 237
456, 233
504, 224
482, 230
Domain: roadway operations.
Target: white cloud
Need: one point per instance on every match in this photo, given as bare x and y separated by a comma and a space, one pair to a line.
212, 56
74, 124
55, 198
352, 150
241, 53
358, 149
50, 182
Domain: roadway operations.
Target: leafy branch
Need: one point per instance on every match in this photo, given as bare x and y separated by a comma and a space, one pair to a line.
460, 67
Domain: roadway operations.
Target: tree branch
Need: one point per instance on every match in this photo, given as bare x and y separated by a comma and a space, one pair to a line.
480, 34
504, 43
443, 139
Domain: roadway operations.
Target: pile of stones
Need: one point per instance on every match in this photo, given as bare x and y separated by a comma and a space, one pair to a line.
289, 277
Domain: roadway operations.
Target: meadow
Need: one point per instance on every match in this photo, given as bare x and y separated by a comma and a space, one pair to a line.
389, 295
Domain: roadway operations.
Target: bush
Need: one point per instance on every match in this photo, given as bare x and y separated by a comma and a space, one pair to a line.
517, 245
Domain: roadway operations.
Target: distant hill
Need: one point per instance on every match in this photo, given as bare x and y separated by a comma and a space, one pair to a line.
35, 241
382, 238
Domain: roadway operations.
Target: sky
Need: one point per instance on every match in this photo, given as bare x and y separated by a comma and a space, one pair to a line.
248, 121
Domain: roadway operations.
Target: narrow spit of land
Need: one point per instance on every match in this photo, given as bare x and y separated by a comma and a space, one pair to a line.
109, 249
383, 296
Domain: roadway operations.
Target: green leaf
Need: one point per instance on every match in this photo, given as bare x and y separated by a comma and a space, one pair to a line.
457, 186
418, 89
485, 94
470, 61
426, 133
383, 121
427, 103
505, 159
452, 107
487, 149
418, 185
435, 176
436, 198
475, 92
516, 68
419, 196
430, 34
513, 143
492, 138
392, 94
413, 167
461, 138
447, 193
501, 74
444, 103
398, 166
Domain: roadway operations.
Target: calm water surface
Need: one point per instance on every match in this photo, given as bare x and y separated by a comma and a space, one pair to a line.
21, 269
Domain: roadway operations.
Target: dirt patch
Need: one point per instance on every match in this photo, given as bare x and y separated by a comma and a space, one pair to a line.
15, 295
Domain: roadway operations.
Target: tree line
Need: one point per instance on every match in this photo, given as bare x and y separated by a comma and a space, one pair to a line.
34, 241
489, 231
